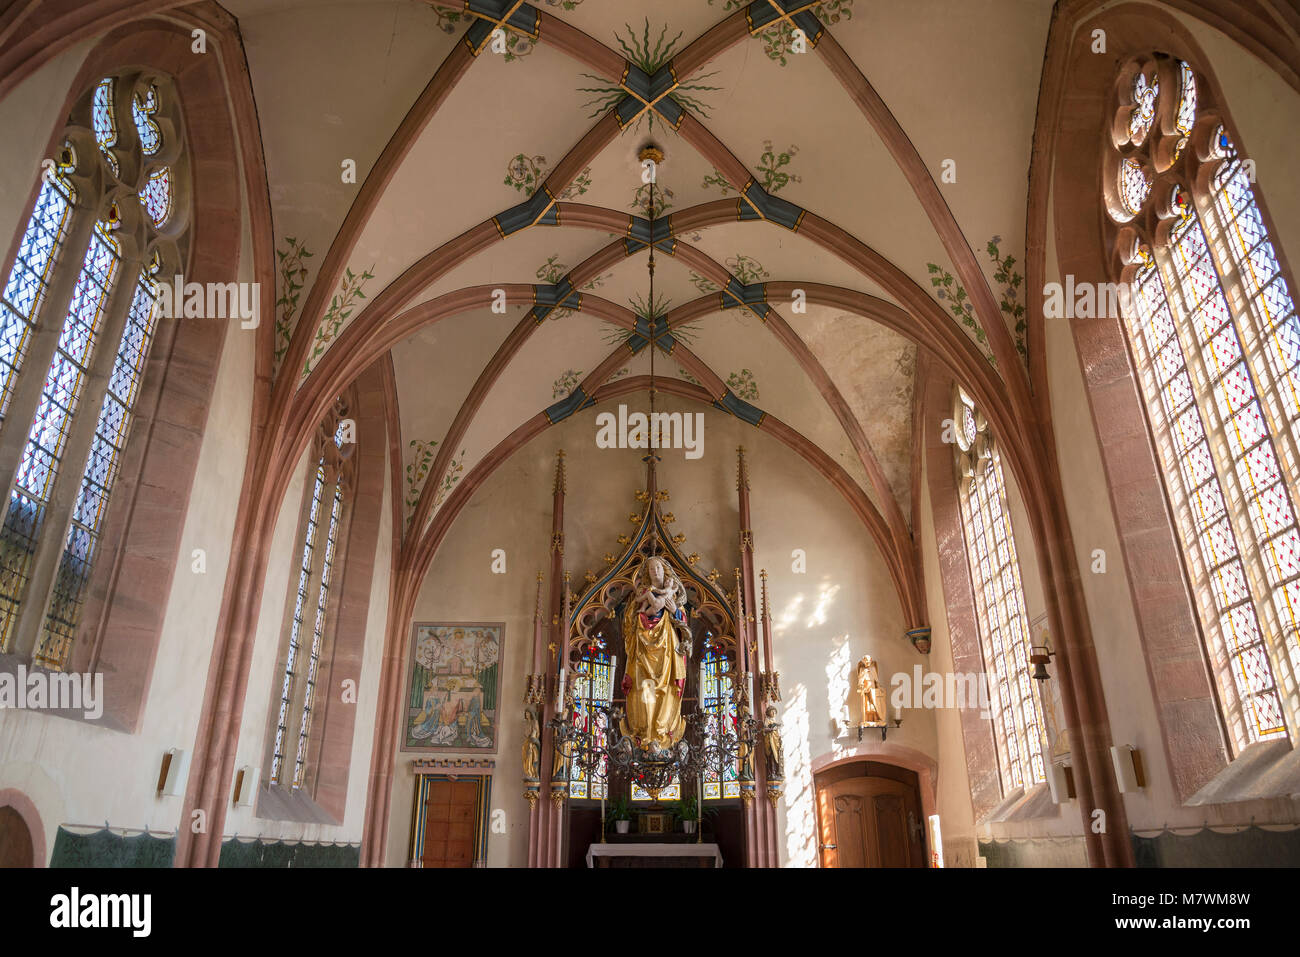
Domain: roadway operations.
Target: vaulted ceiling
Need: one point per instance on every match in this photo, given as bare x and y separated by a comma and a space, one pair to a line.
452, 142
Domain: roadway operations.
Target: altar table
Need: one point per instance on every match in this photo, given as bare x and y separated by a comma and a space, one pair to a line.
654, 855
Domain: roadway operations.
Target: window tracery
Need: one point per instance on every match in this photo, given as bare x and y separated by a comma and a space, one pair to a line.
80, 303
1212, 329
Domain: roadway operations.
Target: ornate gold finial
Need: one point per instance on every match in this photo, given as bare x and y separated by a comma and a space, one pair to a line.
679, 538
624, 541
559, 472
651, 152
589, 578
713, 576
692, 558
609, 559
669, 518
634, 518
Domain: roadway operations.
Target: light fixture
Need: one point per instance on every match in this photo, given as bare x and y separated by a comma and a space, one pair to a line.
703, 747
1039, 657
174, 772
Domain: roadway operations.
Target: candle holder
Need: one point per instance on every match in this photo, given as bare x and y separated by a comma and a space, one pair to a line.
884, 728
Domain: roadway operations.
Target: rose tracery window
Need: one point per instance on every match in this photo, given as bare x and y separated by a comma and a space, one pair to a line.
77, 320
1215, 340
999, 602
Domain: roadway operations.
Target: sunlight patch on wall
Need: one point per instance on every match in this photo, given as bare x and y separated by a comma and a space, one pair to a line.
789, 615
837, 690
800, 815
825, 596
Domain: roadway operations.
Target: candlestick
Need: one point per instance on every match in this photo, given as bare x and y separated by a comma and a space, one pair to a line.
699, 812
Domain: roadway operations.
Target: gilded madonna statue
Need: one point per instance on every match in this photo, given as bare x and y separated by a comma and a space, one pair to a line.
657, 642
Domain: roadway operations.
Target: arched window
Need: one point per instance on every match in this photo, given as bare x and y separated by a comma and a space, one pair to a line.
593, 688
717, 702
309, 629
1214, 338
78, 315
999, 601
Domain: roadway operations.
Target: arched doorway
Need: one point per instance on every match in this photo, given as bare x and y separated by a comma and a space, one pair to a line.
16, 848
869, 815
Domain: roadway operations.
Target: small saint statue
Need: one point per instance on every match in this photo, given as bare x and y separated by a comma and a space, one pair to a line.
772, 746
532, 746
658, 644
743, 754
871, 693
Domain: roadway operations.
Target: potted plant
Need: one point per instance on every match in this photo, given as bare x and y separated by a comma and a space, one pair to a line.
621, 814
687, 810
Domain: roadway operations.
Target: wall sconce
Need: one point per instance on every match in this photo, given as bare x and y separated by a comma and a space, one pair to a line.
1039, 657
174, 772
245, 789
883, 726
1129, 773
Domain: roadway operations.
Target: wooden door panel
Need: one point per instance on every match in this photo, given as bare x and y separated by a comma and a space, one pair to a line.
851, 827
449, 824
891, 830
868, 822
826, 828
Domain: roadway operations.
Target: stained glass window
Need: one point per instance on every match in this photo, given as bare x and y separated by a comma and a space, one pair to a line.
1187, 99
301, 597
142, 111
593, 688
1144, 107
720, 718
1003, 625
61, 486
42, 454
1199, 499
319, 555
671, 793
100, 474
1216, 343
1133, 185
156, 197
318, 634
105, 123
29, 279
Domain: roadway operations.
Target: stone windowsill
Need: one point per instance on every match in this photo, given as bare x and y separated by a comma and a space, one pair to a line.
1265, 769
276, 803
1021, 805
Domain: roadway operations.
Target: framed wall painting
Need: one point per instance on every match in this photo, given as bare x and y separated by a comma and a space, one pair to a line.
453, 687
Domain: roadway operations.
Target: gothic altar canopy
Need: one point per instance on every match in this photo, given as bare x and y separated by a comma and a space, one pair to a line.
646, 700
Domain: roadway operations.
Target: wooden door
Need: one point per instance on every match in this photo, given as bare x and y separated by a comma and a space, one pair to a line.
15, 840
449, 824
869, 821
